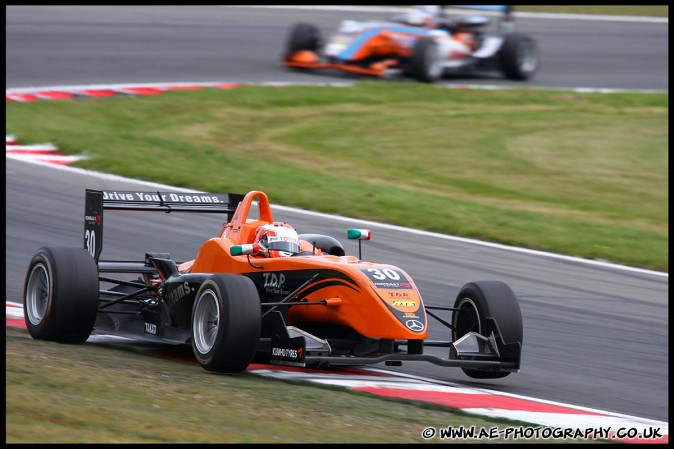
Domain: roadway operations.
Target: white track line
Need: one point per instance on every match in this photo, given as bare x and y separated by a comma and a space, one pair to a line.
531, 15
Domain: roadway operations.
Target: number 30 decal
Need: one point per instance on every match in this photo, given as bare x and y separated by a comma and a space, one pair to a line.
387, 278
384, 274
90, 239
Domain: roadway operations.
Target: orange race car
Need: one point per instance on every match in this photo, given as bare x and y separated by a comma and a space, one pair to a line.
259, 290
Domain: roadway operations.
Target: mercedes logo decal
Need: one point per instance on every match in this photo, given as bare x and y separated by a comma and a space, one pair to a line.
414, 325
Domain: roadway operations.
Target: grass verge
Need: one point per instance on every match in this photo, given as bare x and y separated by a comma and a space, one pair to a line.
582, 174
97, 393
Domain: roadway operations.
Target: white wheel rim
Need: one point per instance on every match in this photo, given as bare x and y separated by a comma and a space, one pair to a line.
526, 57
205, 322
473, 310
433, 67
37, 294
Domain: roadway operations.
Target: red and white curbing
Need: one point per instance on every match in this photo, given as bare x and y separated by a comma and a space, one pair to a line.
493, 404
550, 416
14, 315
40, 153
48, 153
30, 94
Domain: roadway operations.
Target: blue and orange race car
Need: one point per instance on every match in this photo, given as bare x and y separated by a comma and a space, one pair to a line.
424, 44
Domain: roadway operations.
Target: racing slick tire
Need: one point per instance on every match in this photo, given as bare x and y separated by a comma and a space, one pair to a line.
226, 322
425, 64
518, 58
478, 301
60, 299
303, 36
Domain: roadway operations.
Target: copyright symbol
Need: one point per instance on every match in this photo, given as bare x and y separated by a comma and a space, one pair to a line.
428, 433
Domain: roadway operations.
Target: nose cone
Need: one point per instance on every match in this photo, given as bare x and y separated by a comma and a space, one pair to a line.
305, 56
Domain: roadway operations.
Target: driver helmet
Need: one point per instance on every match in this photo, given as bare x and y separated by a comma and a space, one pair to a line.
278, 239
423, 16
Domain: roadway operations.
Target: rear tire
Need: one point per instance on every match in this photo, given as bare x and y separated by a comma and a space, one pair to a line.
226, 323
518, 58
478, 301
60, 298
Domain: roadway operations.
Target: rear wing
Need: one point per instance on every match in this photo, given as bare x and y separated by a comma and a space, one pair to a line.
507, 19
483, 7
96, 201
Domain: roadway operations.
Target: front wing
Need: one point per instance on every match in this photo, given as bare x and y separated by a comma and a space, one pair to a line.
295, 347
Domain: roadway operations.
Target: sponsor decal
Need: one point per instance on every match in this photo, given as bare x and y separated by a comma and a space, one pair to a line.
398, 295
161, 197
194, 198
178, 293
114, 196
93, 219
415, 325
150, 328
274, 282
287, 281
283, 238
407, 307
287, 353
387, 278
403, 303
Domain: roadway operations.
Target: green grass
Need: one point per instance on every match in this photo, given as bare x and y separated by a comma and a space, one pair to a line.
94, 393
583, 174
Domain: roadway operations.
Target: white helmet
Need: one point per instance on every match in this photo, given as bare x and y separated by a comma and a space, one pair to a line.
278, 239
423, 15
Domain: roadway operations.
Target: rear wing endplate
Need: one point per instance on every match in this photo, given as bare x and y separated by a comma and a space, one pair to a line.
96, 201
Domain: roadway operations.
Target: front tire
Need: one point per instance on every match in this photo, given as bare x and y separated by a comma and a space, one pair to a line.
485, 307
60, 298
518, 58
226, 322
425, 61
303, 36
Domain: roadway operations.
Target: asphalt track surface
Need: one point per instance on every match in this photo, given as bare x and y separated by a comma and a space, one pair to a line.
595, 335
66, 45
